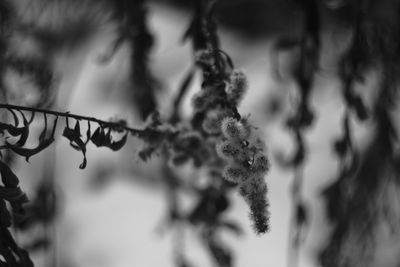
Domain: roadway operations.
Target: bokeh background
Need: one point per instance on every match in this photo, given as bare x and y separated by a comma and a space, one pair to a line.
113, 212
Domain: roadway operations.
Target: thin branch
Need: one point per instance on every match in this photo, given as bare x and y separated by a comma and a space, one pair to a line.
75, 116
181, 93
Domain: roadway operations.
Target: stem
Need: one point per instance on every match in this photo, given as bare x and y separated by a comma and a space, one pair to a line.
181, 93
74, 116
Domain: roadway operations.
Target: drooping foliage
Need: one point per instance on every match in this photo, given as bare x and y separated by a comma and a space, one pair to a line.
360, 202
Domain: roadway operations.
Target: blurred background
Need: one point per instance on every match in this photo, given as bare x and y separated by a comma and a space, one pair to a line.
115, 212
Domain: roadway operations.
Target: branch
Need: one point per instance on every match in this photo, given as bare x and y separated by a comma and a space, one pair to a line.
106, 124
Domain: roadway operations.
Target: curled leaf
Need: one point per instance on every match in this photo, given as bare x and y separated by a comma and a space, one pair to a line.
43, 143
25, 129
13, 194
88, 133
99, 137
74, 137
16, 121
117, 145
13, 130
104, 139
8, 178
29, 152
5, 217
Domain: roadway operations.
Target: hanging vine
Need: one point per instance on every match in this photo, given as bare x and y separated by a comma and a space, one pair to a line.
131, 17
302, 118
363, 180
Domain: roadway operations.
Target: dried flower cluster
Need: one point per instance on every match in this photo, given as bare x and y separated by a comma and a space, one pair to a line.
220, 136
246, 166
235, 139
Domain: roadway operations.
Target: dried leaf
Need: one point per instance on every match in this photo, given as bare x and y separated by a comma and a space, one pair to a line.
13, 194
74, 137
102, 139
117, 145
99, 137
88, 133
25, 129
5, 217
13, 130
43, 143
29, 152
16, 121
8, 178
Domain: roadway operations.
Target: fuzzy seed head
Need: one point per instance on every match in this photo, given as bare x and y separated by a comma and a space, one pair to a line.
228, 150
233, 129
254, 192
213, 120
235, 174
260, 215
261, 163
237, 87
212, 123
255, 186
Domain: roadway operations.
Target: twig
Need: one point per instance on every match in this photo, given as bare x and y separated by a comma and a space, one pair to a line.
75, 116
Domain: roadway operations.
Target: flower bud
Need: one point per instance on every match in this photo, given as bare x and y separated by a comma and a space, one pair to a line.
228, 150
233, 129
235, 174
237, 86
254, 192
261, 163
212, 122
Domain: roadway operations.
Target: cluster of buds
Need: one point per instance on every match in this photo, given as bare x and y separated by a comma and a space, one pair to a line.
241, 153
210, 97
237, 86
246, 165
